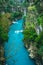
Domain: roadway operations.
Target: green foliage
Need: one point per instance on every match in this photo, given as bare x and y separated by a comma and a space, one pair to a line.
39, 40
40, 51
25, 3
30, 35
40, 20
4, 25
4, 36
6, 5
32, 8
16, 15
34, 19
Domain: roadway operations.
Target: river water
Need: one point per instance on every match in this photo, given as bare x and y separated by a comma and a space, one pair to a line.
15, 52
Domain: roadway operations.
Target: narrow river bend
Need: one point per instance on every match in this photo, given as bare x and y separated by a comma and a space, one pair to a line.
15, 52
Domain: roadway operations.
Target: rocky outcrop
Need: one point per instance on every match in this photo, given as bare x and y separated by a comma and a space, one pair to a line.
2, 59
33, 54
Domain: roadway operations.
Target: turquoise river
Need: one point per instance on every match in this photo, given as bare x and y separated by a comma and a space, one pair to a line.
15, 52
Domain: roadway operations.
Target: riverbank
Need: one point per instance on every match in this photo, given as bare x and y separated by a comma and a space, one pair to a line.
33, 35
31, 44
33, 54
6, 20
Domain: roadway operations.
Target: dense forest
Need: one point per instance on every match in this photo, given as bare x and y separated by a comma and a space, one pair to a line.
33, 33
33, 26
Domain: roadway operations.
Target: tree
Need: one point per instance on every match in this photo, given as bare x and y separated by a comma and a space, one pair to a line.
33, 32
4, 28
